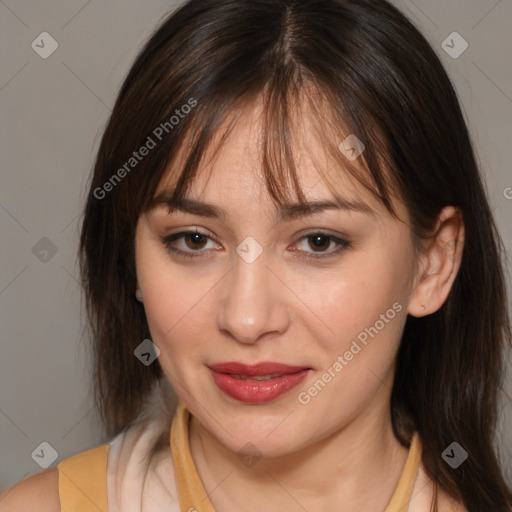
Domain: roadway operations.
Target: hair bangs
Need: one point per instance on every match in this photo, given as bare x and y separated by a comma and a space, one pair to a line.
292, 111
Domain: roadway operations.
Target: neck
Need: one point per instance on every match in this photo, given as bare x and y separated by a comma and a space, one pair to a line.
354, 468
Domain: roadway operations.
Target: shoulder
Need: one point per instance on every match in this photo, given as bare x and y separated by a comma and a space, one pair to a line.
41, 489
44, 488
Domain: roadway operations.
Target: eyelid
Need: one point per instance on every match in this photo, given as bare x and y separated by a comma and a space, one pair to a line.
193, 230
341, 244
166, 241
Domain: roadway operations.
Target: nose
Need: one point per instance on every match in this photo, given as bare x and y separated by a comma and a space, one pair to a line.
251, 306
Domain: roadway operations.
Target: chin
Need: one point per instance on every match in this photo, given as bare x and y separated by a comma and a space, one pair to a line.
258, 444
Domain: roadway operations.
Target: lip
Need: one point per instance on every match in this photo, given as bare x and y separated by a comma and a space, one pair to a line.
252, 391
250, 370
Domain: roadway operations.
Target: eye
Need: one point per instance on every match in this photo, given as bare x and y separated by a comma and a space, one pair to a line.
320, 241
193, 240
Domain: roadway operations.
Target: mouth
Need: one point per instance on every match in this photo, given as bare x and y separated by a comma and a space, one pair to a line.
257, 383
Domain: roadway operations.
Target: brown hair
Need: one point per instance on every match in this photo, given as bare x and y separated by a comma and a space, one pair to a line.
382, 81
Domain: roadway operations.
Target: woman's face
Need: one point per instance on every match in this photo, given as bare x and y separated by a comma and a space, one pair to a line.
246, 291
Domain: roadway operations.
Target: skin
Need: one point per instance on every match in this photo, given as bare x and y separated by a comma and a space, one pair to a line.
338, 452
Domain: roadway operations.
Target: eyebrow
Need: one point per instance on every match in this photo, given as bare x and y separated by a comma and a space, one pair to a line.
286, 212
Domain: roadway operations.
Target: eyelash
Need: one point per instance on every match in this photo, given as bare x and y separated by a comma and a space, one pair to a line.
341, 245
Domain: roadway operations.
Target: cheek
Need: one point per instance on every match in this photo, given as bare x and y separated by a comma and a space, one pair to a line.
367, 321
162, 302
364, 309
354, 300
171, 309
175, 304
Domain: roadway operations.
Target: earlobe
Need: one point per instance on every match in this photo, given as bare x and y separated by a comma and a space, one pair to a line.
440, 264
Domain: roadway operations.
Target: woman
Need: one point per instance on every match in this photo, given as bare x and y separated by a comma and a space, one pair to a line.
292, 274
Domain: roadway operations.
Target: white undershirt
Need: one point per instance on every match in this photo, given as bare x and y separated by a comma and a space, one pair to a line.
129, 487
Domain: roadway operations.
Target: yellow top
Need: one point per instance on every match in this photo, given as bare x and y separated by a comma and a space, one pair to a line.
83, 477
83, 481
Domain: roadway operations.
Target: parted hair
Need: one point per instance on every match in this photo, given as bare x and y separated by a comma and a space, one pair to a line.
357, 66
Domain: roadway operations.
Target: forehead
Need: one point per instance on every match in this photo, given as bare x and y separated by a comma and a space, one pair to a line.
231, 169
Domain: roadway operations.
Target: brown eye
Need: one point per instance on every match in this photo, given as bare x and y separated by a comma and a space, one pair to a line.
188, 244
195, 240
318, 244
319, 241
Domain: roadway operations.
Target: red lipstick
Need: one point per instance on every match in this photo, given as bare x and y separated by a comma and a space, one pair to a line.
258, 383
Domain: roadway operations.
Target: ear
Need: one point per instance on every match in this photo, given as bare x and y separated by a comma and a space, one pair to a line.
138, 293
439, 263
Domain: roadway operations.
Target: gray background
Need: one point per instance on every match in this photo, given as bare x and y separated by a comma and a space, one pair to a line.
53, 113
